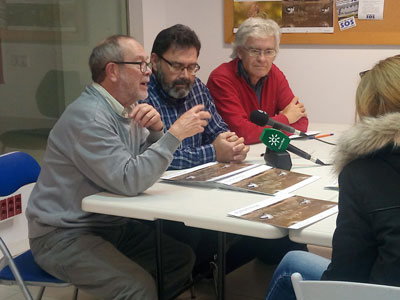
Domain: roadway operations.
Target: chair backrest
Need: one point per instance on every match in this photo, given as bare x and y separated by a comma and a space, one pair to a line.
341, 290
17, 170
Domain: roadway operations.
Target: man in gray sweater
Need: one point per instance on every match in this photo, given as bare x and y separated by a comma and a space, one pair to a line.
106, 141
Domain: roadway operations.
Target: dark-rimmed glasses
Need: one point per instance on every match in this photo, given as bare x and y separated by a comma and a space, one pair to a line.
143, 66
178, 68
258, 52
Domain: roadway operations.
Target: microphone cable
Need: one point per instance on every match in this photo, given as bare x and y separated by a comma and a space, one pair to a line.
322, 141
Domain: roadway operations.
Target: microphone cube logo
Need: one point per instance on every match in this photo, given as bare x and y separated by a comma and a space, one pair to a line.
275, 139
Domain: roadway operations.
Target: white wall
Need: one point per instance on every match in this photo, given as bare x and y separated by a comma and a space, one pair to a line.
324, 77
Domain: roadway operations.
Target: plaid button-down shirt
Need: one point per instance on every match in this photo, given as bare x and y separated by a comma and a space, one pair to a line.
197, 149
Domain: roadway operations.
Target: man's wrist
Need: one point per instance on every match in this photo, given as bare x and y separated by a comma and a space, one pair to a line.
175, 133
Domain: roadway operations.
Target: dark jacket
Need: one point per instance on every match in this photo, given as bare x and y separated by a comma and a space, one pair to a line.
366, 242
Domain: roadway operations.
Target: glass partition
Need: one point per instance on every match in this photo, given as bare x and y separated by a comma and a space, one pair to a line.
44, 51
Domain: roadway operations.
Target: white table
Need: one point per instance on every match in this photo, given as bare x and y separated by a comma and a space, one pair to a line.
208, 208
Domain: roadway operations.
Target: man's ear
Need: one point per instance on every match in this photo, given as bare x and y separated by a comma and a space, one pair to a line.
239, 52
154, 60
112, 71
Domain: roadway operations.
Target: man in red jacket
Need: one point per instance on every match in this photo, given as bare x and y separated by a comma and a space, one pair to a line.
251, 81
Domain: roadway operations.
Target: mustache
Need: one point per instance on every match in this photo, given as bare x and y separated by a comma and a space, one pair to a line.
181, 81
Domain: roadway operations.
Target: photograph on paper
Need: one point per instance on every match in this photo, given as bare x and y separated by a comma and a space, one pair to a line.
287, 211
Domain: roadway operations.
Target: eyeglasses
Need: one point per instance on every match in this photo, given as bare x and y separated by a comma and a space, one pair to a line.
363, 73
178, 68
143, 66
258, 52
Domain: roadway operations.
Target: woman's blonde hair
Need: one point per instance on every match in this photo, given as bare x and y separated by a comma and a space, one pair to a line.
379, 90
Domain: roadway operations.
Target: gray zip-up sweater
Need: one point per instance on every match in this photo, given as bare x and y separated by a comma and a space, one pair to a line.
92, 149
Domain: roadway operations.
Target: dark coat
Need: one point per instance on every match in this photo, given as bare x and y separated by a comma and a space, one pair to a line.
366, 242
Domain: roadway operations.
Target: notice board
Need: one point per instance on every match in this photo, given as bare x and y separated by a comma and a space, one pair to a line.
367, 32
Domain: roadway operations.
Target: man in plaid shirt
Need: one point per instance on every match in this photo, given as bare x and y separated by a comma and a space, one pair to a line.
174, 89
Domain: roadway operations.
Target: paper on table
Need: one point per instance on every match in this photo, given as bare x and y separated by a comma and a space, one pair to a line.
270, 181
242, 177
212, 171
287, 211
309, 133
334, 185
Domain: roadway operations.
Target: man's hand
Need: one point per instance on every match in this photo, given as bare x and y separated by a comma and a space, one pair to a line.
146, 116
190, 123
294, 110
230, 148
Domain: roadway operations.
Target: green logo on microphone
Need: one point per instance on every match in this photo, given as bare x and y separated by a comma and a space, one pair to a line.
275, 139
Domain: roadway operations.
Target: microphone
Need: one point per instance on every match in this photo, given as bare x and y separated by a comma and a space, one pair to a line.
277, 141
261, 118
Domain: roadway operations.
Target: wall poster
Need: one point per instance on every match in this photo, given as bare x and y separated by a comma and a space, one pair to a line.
301, 16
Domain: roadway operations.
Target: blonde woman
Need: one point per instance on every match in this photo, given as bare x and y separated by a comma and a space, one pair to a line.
366, 242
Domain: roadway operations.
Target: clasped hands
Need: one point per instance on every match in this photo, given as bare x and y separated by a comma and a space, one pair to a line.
230, 148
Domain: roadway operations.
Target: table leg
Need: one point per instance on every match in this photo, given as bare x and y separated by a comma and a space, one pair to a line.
159, 260
221, 263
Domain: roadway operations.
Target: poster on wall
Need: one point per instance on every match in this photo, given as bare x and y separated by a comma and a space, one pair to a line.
350, 10
299, 16
347, 11
371, 9
265, 9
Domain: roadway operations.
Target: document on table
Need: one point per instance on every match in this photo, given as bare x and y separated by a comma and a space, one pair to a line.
242, 177
287, 211
309, 133
334, 185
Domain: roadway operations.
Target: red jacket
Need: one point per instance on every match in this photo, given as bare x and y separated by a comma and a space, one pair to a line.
235, 100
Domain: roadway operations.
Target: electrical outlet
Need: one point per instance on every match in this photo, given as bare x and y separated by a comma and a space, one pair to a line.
10, 207
18, 204
3, 209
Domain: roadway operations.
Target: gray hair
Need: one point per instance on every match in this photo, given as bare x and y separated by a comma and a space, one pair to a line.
107, 50
258, 28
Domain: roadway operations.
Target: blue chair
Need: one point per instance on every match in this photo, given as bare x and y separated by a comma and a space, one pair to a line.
17, 170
